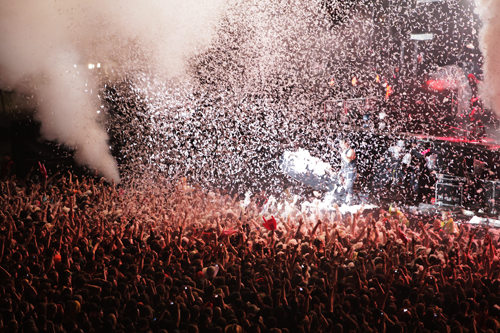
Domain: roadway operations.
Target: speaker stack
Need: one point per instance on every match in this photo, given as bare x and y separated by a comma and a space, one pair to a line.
449, 190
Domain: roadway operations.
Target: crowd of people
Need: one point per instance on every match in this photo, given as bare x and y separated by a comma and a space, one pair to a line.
79, 254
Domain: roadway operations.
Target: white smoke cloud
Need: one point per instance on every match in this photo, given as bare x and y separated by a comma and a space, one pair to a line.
489, 12
270, 56
42, 42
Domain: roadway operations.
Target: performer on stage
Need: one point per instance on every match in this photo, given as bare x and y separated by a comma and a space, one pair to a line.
476, 127
396, 159
348, 170
474, 102
416, 166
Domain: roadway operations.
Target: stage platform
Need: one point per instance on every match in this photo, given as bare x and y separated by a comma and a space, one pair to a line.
486, 142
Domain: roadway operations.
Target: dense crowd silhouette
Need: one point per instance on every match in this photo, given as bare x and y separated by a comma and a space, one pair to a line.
79, 254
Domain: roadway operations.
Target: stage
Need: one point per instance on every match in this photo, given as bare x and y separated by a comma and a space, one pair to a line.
459, 175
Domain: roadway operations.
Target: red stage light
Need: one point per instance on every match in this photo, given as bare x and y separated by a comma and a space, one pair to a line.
441, 85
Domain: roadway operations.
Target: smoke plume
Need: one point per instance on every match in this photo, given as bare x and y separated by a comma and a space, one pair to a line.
489, 11
47, 46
